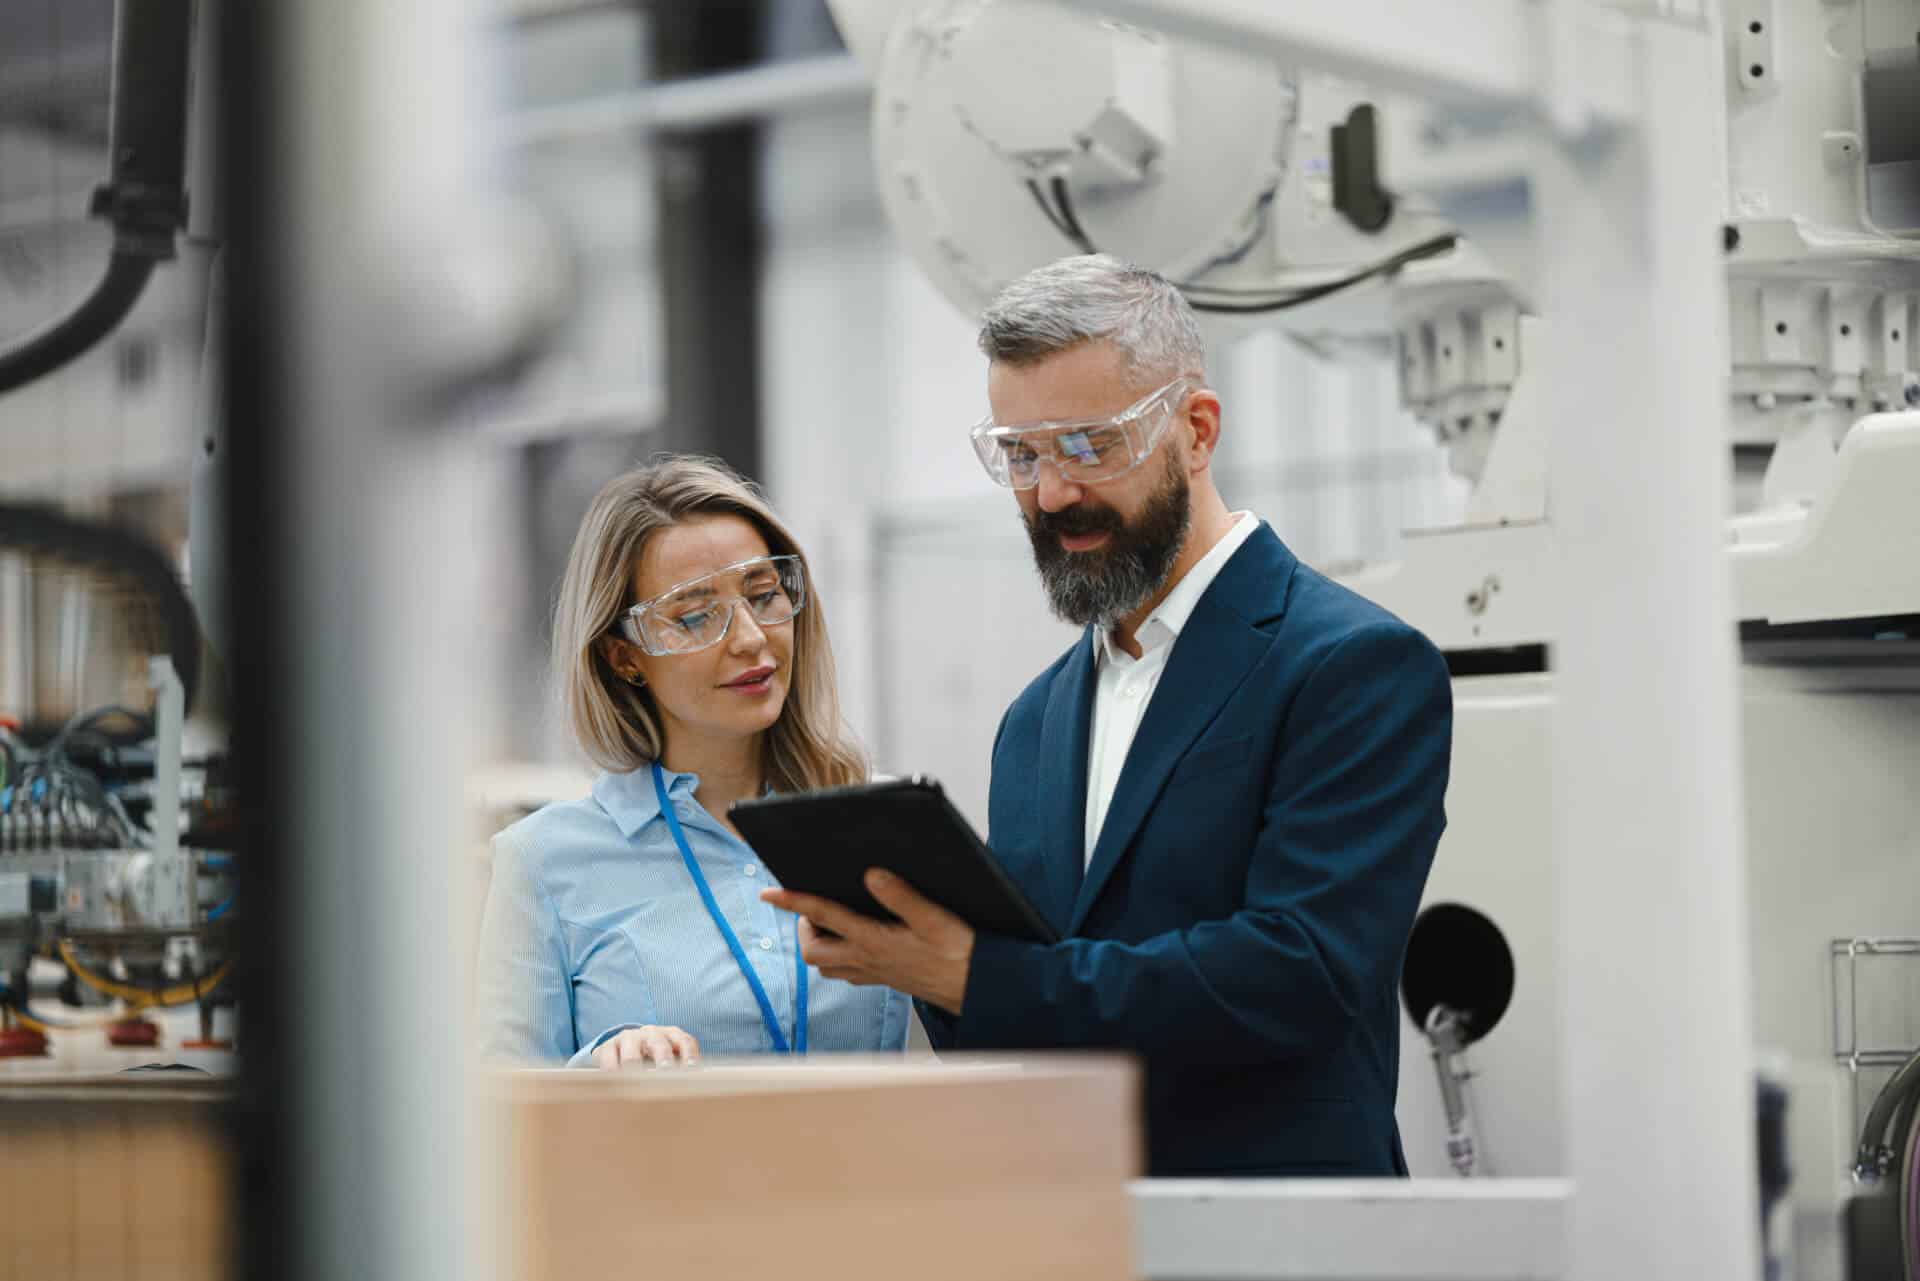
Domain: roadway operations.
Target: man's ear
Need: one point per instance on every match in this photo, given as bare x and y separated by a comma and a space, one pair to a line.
1203, 420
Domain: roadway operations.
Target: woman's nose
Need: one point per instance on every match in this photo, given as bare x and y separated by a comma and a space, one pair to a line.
746, 634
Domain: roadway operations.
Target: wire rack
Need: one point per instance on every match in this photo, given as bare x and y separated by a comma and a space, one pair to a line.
1876, 1012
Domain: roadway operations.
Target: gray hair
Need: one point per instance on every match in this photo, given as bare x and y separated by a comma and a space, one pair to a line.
1090, 298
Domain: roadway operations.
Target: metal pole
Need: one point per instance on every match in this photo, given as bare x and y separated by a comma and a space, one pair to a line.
1481, 54
1647, 781
704, 101
708, 201
169, 710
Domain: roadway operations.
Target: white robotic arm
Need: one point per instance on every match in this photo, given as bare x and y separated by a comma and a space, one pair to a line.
1008, 133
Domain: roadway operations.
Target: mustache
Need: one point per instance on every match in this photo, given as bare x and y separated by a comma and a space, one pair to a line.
1076, 522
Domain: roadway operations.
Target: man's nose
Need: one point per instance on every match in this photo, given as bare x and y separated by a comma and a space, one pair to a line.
1055, 492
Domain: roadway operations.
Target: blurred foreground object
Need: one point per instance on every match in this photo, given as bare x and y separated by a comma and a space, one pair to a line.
830, 1169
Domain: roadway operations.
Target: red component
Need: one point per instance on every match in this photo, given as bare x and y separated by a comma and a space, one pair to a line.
22, 1043
214, 1044
136, 1031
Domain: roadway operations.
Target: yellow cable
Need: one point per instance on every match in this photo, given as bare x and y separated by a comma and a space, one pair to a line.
32, 1024
137, 996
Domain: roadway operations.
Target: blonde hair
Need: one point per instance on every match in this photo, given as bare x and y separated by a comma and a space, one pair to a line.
618, 724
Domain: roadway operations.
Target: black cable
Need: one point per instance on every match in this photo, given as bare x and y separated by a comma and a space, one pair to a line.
1902, 1132
84, 724
73, 334
1238, 301
165, 616
1250, 301
1874, 1152
1052, 215
144, 197
1069, 221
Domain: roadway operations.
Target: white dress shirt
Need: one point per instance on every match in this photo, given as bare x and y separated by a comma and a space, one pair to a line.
1127, 683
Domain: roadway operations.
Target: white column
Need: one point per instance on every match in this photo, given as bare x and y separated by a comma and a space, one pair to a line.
397, 291
1647, 795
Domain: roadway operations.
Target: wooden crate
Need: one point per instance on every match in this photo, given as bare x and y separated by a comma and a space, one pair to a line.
109, 1176
831, 1169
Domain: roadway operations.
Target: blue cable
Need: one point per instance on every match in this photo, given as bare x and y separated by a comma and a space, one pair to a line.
219, 910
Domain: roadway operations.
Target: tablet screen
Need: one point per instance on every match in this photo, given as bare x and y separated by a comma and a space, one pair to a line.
823, 842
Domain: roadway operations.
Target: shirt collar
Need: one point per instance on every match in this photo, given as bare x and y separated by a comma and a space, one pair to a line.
630, 800
1164, 624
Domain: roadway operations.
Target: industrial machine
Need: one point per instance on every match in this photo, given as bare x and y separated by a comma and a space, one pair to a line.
116, 881
117, 884
1435, 177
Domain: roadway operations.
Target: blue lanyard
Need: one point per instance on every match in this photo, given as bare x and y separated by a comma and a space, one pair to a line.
733, 943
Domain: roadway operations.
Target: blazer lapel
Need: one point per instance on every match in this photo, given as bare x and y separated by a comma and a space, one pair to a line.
1063, 781
1211, 657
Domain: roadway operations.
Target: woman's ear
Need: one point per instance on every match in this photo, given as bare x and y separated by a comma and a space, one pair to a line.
622, 657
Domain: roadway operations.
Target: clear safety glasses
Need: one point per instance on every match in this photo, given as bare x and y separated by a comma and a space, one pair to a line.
1084, 452
696, 614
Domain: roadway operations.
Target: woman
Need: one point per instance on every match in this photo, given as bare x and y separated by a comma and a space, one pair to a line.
695, 669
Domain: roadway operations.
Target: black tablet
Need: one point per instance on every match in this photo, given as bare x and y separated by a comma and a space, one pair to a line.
823, 842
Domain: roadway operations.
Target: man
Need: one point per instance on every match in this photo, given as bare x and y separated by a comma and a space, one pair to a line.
1226, 796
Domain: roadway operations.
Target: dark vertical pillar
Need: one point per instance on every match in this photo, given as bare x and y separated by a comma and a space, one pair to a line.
708, 196
265, 1192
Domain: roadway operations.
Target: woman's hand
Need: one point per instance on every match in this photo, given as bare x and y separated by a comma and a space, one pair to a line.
649, 1044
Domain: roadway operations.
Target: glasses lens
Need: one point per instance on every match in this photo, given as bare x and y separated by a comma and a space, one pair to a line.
684, 622
1081, 453
775, 590
697, 615
992, 451
1096, 453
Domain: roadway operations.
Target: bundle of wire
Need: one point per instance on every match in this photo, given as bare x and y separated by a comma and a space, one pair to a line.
140, 997
136, 999
1056, 202
24, 1015
47, 787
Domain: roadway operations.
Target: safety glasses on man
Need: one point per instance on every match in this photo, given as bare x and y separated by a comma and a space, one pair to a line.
1084, 451
696, 614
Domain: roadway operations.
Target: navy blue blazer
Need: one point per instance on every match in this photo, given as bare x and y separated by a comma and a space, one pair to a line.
1242, 922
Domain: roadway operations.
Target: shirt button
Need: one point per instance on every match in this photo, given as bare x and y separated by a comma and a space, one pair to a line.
748, 870
766, 944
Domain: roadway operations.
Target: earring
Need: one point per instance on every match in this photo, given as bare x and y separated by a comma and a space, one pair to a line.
636, 680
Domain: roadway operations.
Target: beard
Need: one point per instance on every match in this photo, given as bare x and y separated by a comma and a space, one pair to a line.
1104, 585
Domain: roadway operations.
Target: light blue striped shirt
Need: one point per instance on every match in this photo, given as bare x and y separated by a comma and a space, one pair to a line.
592, 925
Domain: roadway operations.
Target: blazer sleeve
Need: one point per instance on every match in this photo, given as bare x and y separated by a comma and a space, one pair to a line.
943, 1028
523, 985
1352, 814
